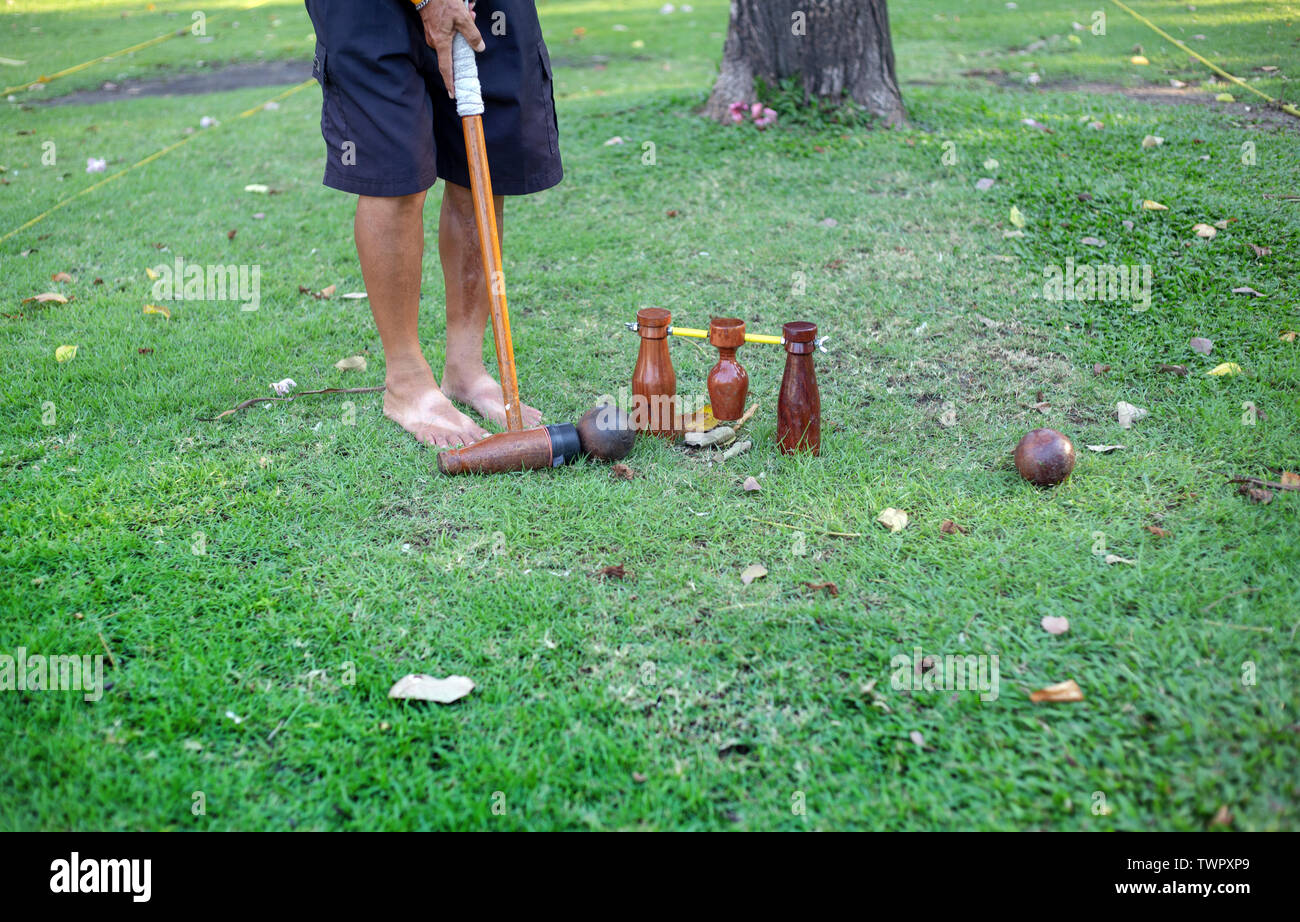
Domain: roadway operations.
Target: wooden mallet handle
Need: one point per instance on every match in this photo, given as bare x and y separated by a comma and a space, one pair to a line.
469, 106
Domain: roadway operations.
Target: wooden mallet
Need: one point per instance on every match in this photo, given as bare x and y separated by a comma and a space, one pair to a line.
469, 106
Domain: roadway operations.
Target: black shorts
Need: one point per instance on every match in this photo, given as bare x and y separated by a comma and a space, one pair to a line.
389, 126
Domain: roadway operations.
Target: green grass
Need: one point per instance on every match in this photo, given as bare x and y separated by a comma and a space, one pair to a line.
330, 539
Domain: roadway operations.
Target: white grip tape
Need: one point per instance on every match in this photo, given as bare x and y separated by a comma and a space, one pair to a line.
464, 69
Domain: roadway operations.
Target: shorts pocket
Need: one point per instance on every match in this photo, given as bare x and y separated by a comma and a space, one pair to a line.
548, 98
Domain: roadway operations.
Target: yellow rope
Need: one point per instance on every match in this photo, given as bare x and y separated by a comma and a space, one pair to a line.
1286, 107
150, 159
157, 39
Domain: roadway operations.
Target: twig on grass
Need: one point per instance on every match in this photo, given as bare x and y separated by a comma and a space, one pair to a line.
1225, 598
824, 531
104, 643
252, 401
1261, 482
1241, 627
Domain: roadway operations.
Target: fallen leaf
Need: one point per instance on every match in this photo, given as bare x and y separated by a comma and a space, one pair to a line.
1016, 217
984, 184
327, 291
752, 572
622, 471
1093, 241
830, 588
746, 416
700, 421
1104, 449
1100, 369
1060, 692
1260, 252
354, 362
1096, 125
639, 778
1152, 141
46, 297
1289, 479
65, 353
1247, 290
916, 737
718, 435
153, 276
158, 309
60, 277
1139, 60
1036, 125
1225, 97
949, 527
230, 234
1204, 230
1172, 369
355, 295
1112, 559
1201, 344
1084, 196
990, 164
1226, 368
1158, 531
614, 571
1256, 494
1223, 817
427, 688
257, 188
283, 387
1149, 205
737, 449
751, 485
893, 519
1288, 336
1055, 624
1129, 414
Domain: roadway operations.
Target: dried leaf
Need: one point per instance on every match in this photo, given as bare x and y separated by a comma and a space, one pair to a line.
622, 471
752, 572
893, 519
719, 435
153, 276
1061, 692
700, 421
258, 188
1204, 230
830, 588
1139, 60
1289, 479
283, 387
327, 291
615, 571
157, 309
1055, 624
1158, 531
1112, 559
751, 485
1152, 141
65, 353
1016, 217
737, 449
1172, 369
1226, 368
1256, 494
984, 184
949, 527
1100, 369
354, 295
427, 688
1129, 414
351, 363
1260, 252
46, 297
1093, 241
1288, 336
61, 277
1201, 344
1149, 205
1225, 97
1104, 449
1247, 290
746, 416
916, 737
1222, 817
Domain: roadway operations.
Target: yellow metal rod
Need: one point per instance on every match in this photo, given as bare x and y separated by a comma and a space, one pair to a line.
704, 334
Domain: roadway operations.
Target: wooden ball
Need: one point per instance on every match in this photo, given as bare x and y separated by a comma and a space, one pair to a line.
1045, 457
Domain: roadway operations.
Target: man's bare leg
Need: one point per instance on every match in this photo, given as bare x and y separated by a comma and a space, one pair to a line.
390, 244
464, 378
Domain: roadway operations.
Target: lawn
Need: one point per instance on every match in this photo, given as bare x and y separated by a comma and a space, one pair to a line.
262, 581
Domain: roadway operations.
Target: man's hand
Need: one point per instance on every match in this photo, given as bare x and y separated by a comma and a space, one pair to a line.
442, 20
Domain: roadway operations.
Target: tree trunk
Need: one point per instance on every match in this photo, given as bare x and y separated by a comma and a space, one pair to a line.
841, 50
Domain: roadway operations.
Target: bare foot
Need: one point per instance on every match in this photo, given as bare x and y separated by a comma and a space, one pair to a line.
482, 392
414, 402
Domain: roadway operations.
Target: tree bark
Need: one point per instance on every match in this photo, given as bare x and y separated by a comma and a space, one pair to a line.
841, 50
